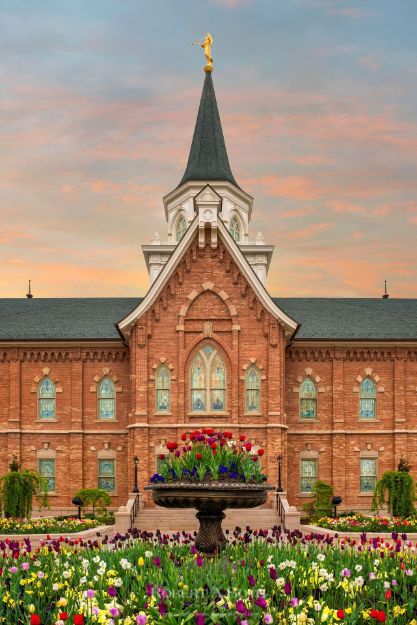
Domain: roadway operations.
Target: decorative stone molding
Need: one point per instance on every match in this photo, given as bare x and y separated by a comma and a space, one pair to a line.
46, 373
106, 373
156, 365
253, 362
369, 373
46, 453
106, 453
308, 453
309, 373
206, 286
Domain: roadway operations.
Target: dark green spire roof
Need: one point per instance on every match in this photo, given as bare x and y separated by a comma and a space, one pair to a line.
208, 155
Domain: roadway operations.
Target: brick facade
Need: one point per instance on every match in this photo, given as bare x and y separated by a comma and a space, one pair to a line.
207, 300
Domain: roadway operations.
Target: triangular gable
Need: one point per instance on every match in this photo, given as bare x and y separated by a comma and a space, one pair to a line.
162, 279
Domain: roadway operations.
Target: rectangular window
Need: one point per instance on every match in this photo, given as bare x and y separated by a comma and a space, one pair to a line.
308, 475
107, 475
368, 408
368, 475
46, 468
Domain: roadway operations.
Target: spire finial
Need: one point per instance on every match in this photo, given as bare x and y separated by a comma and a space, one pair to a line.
385, 295
206, 43
29, 293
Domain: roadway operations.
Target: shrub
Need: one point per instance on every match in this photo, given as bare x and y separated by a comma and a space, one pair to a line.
397, 489
94, 497
321, 504
18, 488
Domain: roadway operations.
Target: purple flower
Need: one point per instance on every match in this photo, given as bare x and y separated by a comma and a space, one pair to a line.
25, 566
273, 573
149, 590
287, 588
200, 561
141, 619
260, 601
13, 569
90, 594
114, 612
162, 608
251, 581
162, 593
157, 561
294, 602
200, 619
268, 618
240, 606
346, 573
112, 591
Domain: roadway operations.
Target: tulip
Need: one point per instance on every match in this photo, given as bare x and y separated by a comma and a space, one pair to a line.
35, 619
200, 619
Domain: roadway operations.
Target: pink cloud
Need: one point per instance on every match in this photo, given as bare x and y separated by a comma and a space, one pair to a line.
290, 187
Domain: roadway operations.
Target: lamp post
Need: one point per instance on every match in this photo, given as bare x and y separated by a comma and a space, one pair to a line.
279, 459
136, 464
337, 500
77, 501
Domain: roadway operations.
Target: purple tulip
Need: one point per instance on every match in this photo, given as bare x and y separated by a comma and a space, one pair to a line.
162, 608
287, 588
260, 601
251, 581
149, 590
200, 619
157, 561
141, 619
114, 612
200, 561
294, 602
111, 590
273, 573
240, 606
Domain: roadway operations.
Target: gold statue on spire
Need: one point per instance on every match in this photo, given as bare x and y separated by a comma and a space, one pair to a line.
206, 43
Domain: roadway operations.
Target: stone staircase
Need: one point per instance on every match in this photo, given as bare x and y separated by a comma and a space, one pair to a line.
179, 519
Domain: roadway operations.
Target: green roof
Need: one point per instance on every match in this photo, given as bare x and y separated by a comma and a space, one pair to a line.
208, 158
58, 319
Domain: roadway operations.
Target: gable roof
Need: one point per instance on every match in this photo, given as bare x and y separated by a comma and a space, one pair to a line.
95, 318
208, 158
289, 325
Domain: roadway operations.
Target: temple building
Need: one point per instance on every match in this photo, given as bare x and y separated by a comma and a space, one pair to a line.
328, 384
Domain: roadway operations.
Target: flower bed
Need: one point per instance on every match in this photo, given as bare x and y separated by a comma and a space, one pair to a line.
361, 523
209, 455
45, 525
305, 581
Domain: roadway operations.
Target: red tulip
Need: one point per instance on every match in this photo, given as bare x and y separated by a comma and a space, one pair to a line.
388, 593
172, 445
183, 437
242, 437
63, 616
35, 619
199, 456
261, 452
161, 456
78, 619
248, 446
340, 614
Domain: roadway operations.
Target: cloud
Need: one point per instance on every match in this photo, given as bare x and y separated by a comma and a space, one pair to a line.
369, 61
348, 11
290, 187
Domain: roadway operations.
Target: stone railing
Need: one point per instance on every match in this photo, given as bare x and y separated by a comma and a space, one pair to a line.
289, 515
125, 516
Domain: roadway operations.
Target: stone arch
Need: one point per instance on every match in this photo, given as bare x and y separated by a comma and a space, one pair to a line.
206, 286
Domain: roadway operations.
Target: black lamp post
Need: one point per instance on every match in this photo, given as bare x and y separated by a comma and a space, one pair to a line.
279, 459
77, 501
335, 502
136, 464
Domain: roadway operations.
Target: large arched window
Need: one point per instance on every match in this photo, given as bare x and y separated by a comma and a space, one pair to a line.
46, 399
181, 228
367, 407
252, 389
308, 400
163, 385
106, 397
208, 381
235, 229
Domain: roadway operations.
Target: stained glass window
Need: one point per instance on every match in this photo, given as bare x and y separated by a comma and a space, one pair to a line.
368, 475
198, 384
163, 382
106, 399
234, 229
218, 384
208, 381
367, 409
46, 399
107, 475
308, 400
308, 475
181, 228
252, 390
46, 468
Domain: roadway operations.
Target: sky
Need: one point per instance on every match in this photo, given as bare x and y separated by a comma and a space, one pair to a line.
318, 101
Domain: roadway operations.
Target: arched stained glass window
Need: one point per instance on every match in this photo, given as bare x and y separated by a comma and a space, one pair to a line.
106, 399
308, 400
208, 381
181, 228
46, 399
235, 229
163, 386
252, 390
367, 408
218, 384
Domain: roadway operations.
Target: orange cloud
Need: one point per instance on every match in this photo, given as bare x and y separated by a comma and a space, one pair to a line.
290, 187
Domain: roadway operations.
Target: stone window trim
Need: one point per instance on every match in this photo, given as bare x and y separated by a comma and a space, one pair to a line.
46, 453
374, 377
178, 226
302, 398
37, 381
218, 351
167, 389
106, 373
318, 383
106, 453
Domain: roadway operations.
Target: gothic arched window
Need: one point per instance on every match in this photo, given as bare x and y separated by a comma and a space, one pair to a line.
106, 407
235, 229
163, 388
208, 381
367, 407
252, 390
46, 399
181, 228
308, 400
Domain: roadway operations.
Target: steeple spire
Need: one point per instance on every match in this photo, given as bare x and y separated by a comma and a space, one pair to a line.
208, 158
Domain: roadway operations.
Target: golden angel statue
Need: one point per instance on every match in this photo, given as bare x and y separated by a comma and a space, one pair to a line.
206, 43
